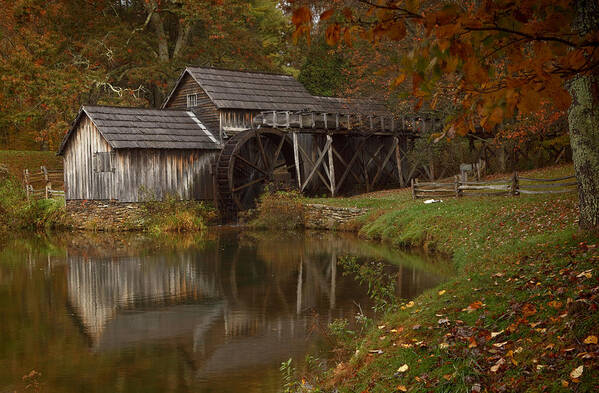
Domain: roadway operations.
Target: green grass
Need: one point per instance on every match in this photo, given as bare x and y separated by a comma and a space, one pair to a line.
16, 161
523, 269
174, 216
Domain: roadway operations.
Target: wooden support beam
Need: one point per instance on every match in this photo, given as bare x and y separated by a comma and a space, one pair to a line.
398, 162
261, 148
345, 164
331, 166
412, 170
296, 160
385, 161
348, 167
378, 150
324, 166
317, 163
310, 161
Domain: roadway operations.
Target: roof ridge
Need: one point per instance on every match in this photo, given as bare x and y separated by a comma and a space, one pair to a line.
133, 108
243, 71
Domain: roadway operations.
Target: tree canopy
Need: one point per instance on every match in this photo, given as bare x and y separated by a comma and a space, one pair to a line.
489, 62
58, 54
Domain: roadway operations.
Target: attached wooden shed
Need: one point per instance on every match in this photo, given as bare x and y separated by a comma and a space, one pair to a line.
129, 154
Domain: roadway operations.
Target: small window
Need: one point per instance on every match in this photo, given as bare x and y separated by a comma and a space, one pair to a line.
103, 161
192, 100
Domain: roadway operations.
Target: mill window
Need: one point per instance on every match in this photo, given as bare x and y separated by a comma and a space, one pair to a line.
192, 100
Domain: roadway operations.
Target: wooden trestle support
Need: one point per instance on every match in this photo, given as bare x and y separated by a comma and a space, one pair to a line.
313, 153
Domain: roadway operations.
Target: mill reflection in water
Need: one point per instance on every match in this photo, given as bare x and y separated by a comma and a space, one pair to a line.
233, 306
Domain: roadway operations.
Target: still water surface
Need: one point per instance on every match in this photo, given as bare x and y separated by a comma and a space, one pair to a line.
126, 313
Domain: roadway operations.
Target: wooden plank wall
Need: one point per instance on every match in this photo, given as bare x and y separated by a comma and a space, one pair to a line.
185, 174
205, 111
80, 179
235, 120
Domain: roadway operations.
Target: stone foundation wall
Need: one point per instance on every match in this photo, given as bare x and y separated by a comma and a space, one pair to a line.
103, 215
319, 216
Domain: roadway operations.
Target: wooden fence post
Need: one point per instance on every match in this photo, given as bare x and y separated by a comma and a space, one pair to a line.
456, 186
26, 179
413, 191
48, 184
515, 184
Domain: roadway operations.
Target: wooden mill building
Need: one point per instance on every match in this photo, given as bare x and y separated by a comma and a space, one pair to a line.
226, 134
226, 101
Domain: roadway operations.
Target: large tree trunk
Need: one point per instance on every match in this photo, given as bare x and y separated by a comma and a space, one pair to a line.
583, 120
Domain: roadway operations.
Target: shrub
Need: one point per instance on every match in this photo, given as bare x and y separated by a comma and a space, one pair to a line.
44, 214
173, 215
179, 221
279, 210
17, 212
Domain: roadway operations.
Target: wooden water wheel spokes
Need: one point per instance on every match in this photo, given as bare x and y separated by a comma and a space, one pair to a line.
249, 161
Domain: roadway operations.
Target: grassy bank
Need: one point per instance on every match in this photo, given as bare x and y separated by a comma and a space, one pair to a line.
520, 315
17, 212
174, 216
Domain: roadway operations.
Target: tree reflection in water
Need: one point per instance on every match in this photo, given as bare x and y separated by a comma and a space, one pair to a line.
220, 312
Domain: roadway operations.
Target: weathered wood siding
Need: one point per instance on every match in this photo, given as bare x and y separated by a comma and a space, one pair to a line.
185, 174
236, 120
205, 110
81, 181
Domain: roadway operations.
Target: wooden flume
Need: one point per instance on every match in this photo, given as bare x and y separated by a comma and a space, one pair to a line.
314, 152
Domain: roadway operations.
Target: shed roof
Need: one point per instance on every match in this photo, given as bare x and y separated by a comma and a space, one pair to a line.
139, 128
364, 106
253, 90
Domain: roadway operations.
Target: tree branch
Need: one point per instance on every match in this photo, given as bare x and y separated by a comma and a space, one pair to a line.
534, 37
406, 12
142, 27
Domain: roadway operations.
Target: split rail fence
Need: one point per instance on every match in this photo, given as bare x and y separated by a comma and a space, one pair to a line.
46, 183
514, 185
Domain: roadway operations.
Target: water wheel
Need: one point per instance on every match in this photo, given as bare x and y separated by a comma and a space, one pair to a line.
248, 162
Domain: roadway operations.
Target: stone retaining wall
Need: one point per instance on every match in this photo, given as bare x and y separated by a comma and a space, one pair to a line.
319, 216
103, 215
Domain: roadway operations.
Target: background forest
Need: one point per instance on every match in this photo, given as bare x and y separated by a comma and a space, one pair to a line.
56, 55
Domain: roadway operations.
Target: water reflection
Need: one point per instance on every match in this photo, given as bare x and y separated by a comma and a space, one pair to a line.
229, 308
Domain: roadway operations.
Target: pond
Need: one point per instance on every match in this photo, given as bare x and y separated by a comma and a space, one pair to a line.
218, 313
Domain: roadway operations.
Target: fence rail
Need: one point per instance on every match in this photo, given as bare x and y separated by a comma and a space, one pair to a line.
43, 184
514, 185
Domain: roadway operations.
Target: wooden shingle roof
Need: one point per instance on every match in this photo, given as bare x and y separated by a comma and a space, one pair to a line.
253, 90
139, 128
352, 106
